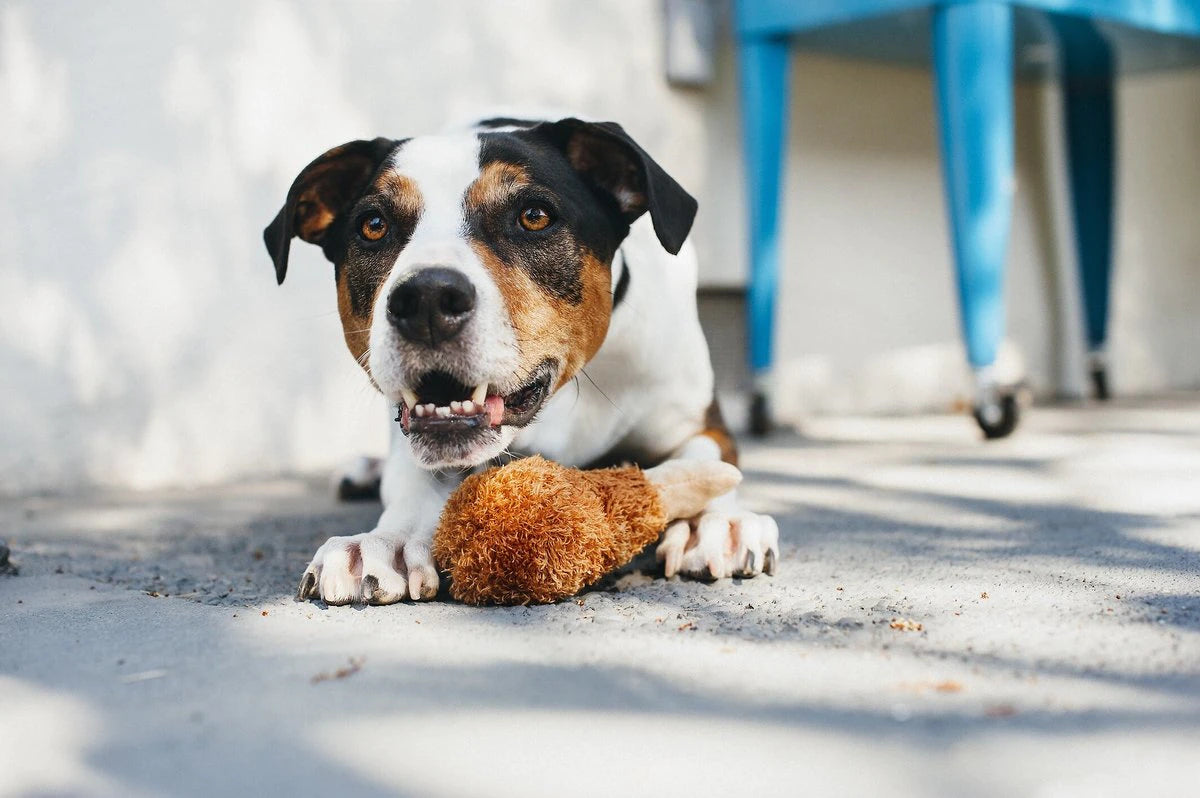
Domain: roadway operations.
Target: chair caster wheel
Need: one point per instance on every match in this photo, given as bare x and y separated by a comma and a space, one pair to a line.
1099, 375
998, 418
760, 416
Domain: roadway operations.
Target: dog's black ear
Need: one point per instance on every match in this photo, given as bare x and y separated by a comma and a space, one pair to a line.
321, 192
612, 162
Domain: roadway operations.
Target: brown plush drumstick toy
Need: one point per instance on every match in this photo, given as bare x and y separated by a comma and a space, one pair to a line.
533, 531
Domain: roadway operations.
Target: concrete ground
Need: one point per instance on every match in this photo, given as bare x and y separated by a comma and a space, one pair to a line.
950, 618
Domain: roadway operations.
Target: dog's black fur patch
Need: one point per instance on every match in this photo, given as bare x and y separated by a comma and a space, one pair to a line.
507, 121
583, 220
367, 263
622, 287
615, 166
596, 180
337, 177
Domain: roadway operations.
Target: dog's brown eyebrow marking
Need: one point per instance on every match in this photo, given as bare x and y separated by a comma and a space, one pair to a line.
497, 182
401, 191
550, 327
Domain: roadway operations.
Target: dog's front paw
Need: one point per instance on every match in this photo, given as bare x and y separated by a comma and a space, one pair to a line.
372, 568
720, 543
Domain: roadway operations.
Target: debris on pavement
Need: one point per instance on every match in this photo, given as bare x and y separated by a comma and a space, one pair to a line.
906, 625
352, 667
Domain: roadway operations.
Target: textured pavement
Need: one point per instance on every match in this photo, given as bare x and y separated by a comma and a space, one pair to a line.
950, 618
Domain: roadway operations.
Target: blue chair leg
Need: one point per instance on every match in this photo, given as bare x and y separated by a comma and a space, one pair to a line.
764, 64
1087, 76
973, 67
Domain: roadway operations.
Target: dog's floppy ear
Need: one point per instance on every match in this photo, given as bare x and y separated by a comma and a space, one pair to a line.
323, 190
612, 162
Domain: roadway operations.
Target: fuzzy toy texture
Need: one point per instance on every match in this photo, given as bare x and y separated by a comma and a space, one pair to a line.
535, 532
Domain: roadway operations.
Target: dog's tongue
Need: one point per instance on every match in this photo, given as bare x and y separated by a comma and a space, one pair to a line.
495, 408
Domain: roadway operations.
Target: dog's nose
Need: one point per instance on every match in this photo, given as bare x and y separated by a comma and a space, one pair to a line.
431, 306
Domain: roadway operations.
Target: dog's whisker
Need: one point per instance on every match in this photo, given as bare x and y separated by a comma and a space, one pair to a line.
601, 390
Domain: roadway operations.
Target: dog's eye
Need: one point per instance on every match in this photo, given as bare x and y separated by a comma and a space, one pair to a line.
373, 227
535, 218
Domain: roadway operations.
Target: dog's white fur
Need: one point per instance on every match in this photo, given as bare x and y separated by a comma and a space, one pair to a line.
646, 390
443, 168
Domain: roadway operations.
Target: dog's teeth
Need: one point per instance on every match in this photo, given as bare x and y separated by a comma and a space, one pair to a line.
419, 411
479, 394
456, 407
410, 398
468, 407
443, 412
430, 408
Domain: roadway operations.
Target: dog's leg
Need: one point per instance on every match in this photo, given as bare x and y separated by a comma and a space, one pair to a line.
394, 560
724, 540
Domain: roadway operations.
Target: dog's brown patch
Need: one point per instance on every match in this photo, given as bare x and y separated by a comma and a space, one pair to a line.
547, 326
312, 217
402, 192
356, 328
714, 428
607, 164
497, 182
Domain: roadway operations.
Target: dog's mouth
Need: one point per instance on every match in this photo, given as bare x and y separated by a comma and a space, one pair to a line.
440, 404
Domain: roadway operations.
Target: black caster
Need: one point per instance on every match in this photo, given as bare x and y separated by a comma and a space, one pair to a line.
1099, 375
361, 482
7, 567
998, 418
760, 415
351, 491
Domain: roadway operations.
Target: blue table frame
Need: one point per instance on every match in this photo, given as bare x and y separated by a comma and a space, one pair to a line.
972, 56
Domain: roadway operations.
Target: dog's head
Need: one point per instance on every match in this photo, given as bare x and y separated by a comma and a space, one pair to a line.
474, 270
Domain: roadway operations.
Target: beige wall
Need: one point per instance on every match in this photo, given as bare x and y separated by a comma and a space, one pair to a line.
143, 145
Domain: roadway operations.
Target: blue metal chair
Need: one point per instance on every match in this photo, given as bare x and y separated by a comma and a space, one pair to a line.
971, 44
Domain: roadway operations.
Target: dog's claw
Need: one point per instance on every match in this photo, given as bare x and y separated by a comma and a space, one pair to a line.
369, 590
421, 585
670, 550
308, 584
769, 562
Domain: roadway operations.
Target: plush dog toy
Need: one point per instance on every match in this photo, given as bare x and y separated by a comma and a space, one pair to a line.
534, 532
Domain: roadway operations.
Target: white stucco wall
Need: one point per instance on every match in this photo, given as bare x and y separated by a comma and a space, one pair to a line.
143, 146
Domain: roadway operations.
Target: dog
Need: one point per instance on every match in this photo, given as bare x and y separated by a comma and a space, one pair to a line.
515, 287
